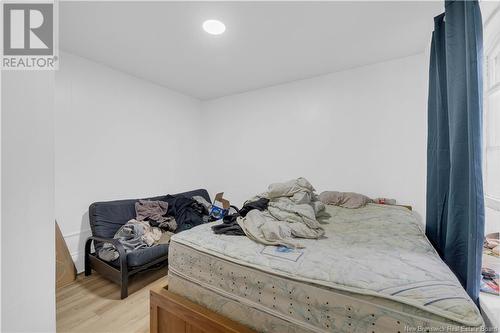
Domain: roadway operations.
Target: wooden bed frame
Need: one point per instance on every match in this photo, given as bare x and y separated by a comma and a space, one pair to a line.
171, 313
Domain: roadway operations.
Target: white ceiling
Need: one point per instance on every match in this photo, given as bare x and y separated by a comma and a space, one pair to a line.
265, 43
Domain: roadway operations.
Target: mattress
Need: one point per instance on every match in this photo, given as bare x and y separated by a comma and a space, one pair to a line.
374, 271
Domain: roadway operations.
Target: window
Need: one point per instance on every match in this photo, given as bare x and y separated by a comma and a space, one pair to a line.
492, 125
490, 303
492, 122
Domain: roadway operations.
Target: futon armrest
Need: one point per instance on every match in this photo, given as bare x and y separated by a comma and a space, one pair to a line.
118, 246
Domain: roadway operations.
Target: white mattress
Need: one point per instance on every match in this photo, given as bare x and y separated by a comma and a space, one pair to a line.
374, 270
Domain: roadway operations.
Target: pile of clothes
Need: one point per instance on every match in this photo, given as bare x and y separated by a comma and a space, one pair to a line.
288, 211
277, 217
490, 270
230, 224
156, 221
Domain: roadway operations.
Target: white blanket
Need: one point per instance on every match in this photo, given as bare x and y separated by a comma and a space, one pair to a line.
291, 213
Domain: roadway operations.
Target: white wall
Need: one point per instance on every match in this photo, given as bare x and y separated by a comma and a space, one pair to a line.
360, 130
117, 137
28, 255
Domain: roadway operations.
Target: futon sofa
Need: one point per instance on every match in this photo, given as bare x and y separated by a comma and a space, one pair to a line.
105, 220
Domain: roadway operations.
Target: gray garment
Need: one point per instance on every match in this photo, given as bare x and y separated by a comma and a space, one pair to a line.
152, 210
132, 235
156, 212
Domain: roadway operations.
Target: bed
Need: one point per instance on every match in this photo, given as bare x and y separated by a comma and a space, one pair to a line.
374, 271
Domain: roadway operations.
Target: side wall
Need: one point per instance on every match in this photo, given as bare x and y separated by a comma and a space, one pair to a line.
117, 137
28, 254
361, 130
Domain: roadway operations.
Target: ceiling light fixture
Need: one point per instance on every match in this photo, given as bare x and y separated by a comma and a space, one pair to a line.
214, 27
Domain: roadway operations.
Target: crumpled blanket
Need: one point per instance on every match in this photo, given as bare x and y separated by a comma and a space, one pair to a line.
291, 213
155, 211
132, 235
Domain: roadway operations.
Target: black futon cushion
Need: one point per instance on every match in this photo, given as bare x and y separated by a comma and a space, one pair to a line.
143, 256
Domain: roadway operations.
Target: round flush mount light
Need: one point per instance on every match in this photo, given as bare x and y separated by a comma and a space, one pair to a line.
214, 27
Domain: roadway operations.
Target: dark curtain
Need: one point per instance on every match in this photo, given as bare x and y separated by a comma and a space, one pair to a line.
455, 205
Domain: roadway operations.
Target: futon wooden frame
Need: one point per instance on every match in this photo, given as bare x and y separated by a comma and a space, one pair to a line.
119, 275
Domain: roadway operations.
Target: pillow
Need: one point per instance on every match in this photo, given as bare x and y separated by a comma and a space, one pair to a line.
344, 199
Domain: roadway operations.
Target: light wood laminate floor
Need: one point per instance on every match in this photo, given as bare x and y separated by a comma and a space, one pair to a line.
92, 304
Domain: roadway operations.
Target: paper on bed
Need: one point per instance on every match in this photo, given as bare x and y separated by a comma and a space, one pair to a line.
282, 252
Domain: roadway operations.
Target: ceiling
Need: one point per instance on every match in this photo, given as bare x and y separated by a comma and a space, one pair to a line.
265, 43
